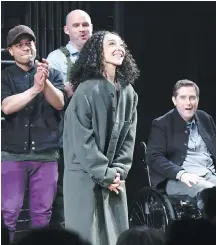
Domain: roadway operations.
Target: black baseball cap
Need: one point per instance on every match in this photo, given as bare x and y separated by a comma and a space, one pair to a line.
17, 31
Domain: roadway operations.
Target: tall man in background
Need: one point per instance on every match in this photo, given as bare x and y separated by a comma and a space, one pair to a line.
79, 29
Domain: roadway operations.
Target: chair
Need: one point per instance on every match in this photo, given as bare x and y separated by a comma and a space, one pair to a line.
155, 209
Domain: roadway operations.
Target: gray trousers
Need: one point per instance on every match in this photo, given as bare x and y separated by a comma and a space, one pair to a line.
175, 187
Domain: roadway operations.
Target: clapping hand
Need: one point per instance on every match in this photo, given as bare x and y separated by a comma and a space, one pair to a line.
43, 67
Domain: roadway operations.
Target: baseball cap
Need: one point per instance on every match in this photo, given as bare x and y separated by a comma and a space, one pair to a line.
17, 31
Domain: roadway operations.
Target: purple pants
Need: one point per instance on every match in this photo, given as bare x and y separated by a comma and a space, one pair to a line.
42, 178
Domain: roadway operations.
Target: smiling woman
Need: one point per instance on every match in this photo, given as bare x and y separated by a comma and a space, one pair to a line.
114, 49
94, 60
98, 141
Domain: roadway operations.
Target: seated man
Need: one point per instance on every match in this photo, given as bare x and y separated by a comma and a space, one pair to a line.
181, 151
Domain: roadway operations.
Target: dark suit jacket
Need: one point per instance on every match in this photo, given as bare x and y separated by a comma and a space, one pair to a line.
168, 142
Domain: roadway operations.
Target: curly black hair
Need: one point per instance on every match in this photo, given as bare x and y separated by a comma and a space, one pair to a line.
90, 63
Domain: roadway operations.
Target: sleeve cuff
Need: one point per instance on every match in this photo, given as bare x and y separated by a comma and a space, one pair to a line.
179, 174
108, 178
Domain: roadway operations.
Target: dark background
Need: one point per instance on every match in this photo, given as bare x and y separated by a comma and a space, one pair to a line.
169, 41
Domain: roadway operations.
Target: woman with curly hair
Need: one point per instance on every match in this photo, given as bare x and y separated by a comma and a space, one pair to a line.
99, 137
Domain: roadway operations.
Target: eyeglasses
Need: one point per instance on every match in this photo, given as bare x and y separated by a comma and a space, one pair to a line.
22, 45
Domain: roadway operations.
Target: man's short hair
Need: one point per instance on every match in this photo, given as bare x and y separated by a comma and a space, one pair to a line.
185, 83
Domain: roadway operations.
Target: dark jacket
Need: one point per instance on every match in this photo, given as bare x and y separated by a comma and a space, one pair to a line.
168, 142
36, 126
